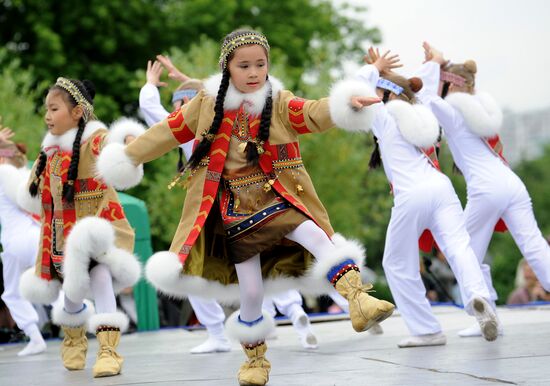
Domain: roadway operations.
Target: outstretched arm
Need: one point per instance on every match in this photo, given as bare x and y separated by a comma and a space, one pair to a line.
173, 71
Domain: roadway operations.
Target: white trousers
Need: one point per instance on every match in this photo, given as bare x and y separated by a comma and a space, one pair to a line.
435, 206
286, 302
20, 256
511, 202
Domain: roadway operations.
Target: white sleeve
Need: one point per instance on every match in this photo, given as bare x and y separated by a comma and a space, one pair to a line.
429, 73
369, 74
150, 106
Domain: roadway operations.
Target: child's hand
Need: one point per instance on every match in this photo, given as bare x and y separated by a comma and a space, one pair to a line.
384, 63
358, 102
154, 71
5, 133
432, 54
173, 72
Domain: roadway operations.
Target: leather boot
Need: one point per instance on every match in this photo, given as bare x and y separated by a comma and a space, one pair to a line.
255, 371
108, 361
364, 310
74, 347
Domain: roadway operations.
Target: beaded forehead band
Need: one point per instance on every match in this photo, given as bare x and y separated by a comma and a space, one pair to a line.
71, 88
455, 79
240, 40
179, 95
389, 85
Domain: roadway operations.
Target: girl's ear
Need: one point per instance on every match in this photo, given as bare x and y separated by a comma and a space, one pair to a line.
77, 112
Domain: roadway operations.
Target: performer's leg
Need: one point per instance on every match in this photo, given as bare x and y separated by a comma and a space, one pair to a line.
449, 231
521, 222
481, 215
343, 273
249, 325
22, 311
210, 314
107, 324
401, 264
289, 303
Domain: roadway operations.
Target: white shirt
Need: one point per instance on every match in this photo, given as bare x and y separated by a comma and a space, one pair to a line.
404, 164
481, 167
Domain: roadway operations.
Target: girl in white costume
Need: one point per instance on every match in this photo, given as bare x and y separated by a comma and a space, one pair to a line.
423, 199
19, 238
471, 121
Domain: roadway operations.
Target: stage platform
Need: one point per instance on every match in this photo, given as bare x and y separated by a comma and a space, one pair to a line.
161, 358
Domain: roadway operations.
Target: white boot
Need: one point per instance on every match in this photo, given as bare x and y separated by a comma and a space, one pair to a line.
437, 339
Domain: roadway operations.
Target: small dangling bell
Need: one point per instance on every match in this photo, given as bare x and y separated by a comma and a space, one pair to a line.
237, 203
299, 189
267, 187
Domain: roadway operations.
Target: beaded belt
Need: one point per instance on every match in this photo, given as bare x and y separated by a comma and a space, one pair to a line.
288, 164
241, 182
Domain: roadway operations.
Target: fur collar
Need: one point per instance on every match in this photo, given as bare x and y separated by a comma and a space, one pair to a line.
480, 111
65, 141
416, 123
253, 102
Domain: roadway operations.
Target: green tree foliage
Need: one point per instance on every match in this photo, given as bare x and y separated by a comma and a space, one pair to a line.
106, 41
17, 104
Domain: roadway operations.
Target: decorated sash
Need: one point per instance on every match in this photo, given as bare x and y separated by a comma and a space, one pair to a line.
426, 241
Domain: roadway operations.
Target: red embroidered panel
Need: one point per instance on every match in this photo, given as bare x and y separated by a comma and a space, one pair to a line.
296, 115
179, 129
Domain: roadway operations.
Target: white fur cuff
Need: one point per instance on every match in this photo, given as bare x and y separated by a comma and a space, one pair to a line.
340, 108
123, 127
117, 169
113, 319
61, 317
249, 334
346, 249
416, 123
38, 290
480, 111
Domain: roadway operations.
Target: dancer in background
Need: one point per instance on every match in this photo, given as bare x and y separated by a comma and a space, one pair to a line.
20, 235
424, 201
496, 198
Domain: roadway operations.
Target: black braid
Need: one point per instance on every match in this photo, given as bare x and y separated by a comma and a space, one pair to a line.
375, 159
68, 187
445, 90
252, 155
33, 188
203, 147
180, 160
437, 148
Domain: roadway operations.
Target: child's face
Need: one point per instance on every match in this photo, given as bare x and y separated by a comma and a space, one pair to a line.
60, 115
248, 68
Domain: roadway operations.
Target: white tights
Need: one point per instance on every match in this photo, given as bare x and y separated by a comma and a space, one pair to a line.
309, 235
101, 283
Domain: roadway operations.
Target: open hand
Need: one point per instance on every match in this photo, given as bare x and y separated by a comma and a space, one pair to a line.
173, 72
5, 133
384, 63
153, 73
433, 54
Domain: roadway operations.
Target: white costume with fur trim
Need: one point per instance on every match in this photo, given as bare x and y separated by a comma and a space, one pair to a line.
494, 190
19, 238
424, 198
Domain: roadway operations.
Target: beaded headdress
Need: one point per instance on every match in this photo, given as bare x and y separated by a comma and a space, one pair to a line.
446, 76
246, 37
71, 88
389, 85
